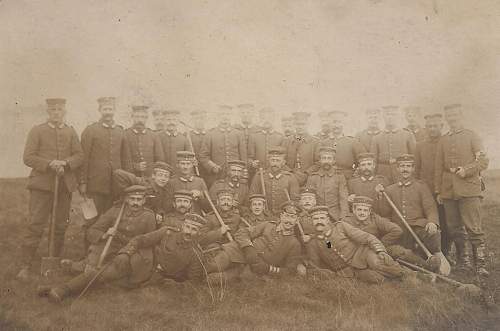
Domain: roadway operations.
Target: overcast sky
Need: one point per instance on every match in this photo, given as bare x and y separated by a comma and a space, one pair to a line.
291, 55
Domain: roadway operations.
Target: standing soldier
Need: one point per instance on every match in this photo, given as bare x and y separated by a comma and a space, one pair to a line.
158, 120
263, 139
347, 148
366, 136
390, 144
158, 187
103, 145
246, 112
425, 161
143, 144
330, 186
287, 126
277, 181
412, 115
300, 147
222, 144
197, 135
414, 200
324, 120
460, 158
172, 140
52, 149
186, 180
234, 182
365, 183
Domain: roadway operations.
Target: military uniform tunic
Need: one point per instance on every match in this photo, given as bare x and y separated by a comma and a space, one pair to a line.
143, 146
300, 151
222, 145
347, 150
190, 183
366, 137
331, 191
259, 144
171, 143
365, 186
240, 190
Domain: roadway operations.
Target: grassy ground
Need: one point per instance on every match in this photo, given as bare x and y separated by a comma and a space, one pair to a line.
311, 303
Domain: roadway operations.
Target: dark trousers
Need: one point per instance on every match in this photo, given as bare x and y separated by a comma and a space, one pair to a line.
463, 218
102, 203
40, 209
431, 241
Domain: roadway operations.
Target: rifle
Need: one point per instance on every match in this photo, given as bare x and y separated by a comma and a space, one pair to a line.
217, 215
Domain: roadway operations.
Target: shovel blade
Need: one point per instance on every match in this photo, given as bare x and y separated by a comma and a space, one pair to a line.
50, 266
445, 267
88, 209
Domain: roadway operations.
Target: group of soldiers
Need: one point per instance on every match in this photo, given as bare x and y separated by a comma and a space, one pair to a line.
186, 202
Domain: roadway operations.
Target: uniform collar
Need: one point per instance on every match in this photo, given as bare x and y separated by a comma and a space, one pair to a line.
372, 131
107, 126
270, 131
228, 129
364, 179
408, 183
391, 131
324, 236
186, 179
199, 132
230, 183
53, 126
450, 133
137, 131
171, 134
332, 136
322, 172
275, 176
413, 129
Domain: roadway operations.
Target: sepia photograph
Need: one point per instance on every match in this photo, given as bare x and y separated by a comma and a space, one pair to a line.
249, 165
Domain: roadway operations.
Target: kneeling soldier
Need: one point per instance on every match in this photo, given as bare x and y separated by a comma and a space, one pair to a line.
349, 251
133, 270
183, 202
257, 211
270, 247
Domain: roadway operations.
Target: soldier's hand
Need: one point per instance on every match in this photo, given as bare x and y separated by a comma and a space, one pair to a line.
301, 269
379, 188
196, 194
439, 199
223, 229
89, 269
195, 162
255, 164
159, 218
350, 198
306, 238
384, 257
111, 232
142, 166
431, 228
60, 170
460, 172
216, 169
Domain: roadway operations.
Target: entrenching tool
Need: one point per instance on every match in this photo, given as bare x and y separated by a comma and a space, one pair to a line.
444, 268
110, 238
50, 264
217, 215
190, 142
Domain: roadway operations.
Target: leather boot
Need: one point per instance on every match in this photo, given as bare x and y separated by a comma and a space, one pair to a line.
462, 256
479, 252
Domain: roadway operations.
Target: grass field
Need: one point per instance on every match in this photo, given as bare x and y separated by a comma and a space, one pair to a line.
254, 304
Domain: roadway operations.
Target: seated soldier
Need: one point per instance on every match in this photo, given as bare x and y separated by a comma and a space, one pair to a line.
183, 202
219, 239
233, 181
414, 200
270, 247
176, 251
387, 232
306, 202
158, 190
185, 180
135, 220
257, 212
348, 251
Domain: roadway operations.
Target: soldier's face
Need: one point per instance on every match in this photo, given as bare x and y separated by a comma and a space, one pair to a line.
107, 112
189, 231
390, 119
276, 162
300, 127
406, 169
135, 201
246, 118
170, 123
454, 119
161, 177
434, 126
182, 205
257, 206
185, 166
325, 126
411, 117
199, 121
362, 212
139, 118
56, 113
307, 201
288, 221
327, 160
367, 167
373, 120
159, 121
337, 125
225, 202
235, 173
287, 127
321, 222
224, 118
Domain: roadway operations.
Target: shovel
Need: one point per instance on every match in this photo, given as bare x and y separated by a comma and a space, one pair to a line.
88, 208
50, 264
